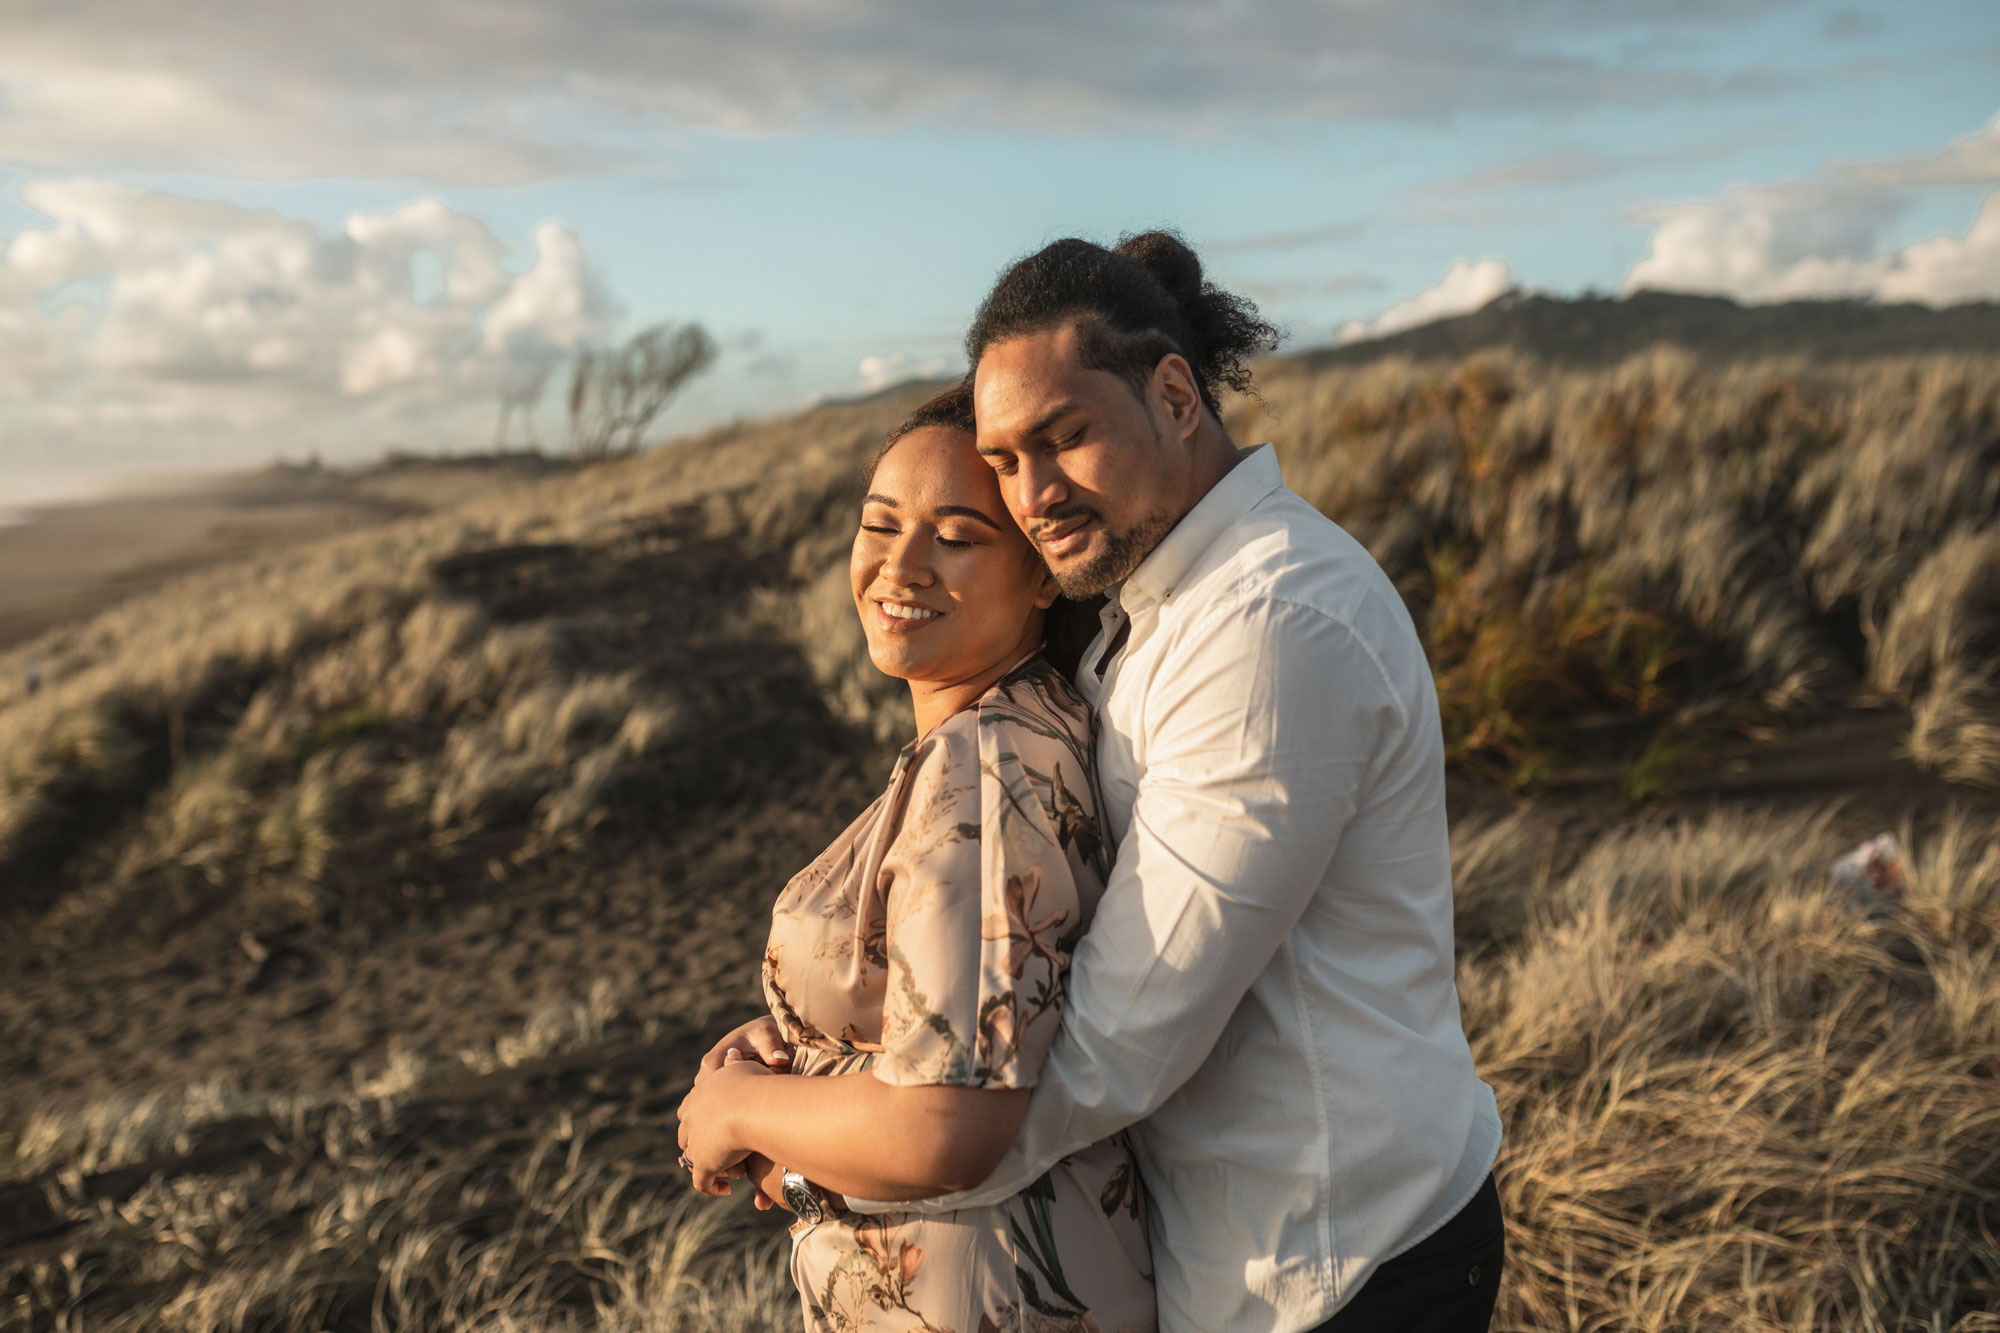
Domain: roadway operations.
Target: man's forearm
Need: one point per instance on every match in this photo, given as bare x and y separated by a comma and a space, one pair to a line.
856, 1135
1253, 776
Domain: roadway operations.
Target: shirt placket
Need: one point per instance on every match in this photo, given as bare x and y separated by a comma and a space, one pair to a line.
1097, 670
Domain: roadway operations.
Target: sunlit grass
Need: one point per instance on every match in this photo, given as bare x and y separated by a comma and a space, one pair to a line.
1733, 1100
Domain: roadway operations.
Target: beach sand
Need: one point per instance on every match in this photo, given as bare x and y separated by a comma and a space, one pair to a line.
65, 562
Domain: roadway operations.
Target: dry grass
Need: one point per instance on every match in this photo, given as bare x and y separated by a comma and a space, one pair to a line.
1733, 1101
1670, 537
346, 1231
235, 730
1666, 541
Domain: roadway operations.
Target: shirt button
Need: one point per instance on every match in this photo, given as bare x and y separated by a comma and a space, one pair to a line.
1472, 1276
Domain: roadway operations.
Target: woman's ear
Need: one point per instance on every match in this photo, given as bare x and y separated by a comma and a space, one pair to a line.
1046, 594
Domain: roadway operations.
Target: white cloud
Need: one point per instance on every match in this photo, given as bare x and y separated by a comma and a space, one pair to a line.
508, 90
1972, 160
1465, 287
884, 369
134, 306
1827, 237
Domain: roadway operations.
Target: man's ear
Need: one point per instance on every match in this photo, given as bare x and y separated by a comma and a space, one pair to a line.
1178, 393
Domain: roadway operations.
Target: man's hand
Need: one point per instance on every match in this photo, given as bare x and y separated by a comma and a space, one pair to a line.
708, 1136
760, 1039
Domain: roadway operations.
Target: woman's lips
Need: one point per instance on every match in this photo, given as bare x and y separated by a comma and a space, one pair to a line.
911, 618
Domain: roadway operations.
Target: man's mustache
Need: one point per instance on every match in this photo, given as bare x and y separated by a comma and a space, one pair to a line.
1056, 518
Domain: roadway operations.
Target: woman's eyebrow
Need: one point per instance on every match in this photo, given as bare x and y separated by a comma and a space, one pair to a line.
878, 500
966, 511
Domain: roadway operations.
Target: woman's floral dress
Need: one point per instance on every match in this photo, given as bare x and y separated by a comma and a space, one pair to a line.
929, 945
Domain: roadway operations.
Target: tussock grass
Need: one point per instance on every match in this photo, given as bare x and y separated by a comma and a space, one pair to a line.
1669, 537
1733, 1100
246, 730
352, 1230
1682, 545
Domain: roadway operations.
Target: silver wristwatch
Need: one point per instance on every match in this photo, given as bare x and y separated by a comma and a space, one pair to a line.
801, 1197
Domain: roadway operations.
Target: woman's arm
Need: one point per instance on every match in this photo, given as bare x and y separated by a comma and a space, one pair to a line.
848, 1133
981, 908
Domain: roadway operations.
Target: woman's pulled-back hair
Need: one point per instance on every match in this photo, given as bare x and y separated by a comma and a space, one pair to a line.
1131, 306
951, 409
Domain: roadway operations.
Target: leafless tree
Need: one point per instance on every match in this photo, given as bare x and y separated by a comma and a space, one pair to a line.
519, 397
615, 393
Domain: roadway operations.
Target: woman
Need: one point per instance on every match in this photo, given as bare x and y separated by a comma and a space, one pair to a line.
917, 967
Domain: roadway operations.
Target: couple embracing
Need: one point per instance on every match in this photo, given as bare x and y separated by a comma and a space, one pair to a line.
1129, 1003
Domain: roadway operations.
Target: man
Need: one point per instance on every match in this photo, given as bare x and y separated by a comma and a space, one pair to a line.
1266, 994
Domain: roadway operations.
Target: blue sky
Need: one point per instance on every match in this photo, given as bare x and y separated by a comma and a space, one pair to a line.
829, 188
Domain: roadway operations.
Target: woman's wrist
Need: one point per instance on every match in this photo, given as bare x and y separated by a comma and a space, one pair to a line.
769, 1178
739, 1118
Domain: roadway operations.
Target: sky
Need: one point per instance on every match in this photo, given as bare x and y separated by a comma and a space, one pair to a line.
233, 231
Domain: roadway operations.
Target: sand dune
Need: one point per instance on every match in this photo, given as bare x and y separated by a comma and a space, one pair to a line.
370, 899
65, 562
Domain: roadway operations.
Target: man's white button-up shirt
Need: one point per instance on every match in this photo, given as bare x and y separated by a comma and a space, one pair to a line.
1265, 996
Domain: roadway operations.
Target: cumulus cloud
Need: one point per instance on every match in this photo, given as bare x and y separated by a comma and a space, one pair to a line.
1826, 238
514, 89
881, 370
1465, 287
134, 305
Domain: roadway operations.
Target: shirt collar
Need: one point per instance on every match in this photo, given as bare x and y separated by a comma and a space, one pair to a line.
1241, 489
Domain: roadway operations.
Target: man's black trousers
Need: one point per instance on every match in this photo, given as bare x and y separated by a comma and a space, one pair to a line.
1446, 1283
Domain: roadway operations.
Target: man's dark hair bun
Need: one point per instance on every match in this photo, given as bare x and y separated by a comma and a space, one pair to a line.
1132, 305
1168, 258
1225, 327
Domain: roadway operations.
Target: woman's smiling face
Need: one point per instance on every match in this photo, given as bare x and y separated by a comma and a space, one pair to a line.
947, 587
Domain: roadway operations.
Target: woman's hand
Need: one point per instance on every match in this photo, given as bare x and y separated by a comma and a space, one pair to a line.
760, 1038
709, 1117
768, 1177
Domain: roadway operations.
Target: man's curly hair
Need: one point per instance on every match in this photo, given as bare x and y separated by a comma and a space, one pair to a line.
1131, 306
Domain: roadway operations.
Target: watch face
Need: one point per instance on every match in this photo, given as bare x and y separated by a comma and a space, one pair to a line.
800, 1198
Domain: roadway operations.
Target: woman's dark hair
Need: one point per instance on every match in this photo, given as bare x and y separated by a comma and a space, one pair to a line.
1067, 626
951, 409
1131, 306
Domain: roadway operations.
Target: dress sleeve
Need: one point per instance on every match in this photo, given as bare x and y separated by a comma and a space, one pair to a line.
983, 908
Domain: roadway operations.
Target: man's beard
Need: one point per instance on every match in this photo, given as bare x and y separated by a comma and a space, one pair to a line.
1116, 557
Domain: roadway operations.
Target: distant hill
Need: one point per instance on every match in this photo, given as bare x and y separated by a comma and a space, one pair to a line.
1598, 330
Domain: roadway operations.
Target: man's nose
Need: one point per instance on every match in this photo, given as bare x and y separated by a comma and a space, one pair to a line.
1038, 486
